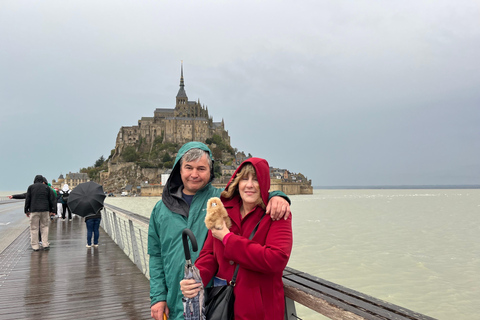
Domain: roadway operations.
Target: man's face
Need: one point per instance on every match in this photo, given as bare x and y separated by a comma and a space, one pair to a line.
195, 175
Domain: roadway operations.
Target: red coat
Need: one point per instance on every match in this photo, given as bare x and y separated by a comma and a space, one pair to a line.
259, 289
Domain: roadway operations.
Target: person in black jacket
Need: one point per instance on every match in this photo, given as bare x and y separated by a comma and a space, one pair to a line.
39, 203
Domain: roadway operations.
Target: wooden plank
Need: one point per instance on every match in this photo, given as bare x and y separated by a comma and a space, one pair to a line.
71, 281
338, 302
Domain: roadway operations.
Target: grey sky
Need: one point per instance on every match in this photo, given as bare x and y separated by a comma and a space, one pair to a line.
346, 92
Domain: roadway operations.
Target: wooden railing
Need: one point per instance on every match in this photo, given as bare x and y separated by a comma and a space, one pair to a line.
130, 232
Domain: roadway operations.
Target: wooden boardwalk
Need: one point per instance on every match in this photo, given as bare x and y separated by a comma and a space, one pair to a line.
71, 281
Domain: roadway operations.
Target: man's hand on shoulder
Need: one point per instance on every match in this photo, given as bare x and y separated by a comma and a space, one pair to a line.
278, 208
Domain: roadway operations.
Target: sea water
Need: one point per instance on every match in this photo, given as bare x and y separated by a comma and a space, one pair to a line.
416, 248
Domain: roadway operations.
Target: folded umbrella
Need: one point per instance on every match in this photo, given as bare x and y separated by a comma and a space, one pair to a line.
193, 308
86, 199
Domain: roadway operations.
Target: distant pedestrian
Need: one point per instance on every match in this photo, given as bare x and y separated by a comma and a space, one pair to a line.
93, 224
59, 202
39, 203
45, 181
65, 192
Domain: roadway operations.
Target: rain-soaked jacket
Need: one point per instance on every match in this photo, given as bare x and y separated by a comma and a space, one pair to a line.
259, 288
168, 219
40, 197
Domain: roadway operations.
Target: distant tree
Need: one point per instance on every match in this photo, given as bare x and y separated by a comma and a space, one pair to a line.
129, 154
166, 157
168, 164
99, 162
217, 139
217, 153
217, 169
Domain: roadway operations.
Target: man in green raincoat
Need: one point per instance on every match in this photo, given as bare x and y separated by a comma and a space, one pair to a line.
183, 205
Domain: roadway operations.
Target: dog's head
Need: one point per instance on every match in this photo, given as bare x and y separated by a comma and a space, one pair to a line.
214, 204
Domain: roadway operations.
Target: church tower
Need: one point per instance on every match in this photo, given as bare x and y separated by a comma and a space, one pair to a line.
182, 98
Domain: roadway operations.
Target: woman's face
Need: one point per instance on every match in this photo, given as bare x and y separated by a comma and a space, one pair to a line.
249, 189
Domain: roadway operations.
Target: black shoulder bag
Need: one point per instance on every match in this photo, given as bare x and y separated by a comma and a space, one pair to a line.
220, 300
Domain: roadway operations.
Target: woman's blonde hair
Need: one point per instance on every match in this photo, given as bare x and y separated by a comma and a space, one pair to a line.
246, 170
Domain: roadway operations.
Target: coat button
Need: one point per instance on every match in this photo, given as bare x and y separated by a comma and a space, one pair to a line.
231, 262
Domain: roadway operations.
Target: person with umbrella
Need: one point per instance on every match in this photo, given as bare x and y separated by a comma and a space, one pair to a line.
86, 200
183, 205
93, 224
259, 287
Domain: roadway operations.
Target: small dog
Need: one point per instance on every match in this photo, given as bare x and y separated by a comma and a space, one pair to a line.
216, 214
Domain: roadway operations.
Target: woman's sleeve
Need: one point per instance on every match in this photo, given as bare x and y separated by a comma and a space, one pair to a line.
206, 262
271, 257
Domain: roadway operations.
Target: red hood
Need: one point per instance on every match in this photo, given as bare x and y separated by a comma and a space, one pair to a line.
263, 175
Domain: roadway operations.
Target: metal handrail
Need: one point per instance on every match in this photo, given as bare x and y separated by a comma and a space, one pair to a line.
130, 232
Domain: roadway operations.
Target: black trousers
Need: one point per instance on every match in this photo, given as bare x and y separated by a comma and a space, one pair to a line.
65, 207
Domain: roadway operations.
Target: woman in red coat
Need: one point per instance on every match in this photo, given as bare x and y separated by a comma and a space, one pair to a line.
259, 288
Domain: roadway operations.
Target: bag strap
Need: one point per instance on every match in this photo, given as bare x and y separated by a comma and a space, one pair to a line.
234, 278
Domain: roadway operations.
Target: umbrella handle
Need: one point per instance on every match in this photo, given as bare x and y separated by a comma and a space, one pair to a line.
188, 233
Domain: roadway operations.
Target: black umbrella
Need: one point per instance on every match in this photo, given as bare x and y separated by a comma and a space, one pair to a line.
86, 199
193, 308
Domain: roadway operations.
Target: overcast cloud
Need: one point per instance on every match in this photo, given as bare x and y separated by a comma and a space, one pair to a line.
346, 92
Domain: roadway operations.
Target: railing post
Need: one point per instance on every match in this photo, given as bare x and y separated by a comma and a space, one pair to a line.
290, 311
118, 235
136, 255
144, 255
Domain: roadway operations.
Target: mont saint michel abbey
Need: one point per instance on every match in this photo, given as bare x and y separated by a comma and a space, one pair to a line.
188, 121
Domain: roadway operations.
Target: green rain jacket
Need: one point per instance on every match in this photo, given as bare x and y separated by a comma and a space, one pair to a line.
168, 219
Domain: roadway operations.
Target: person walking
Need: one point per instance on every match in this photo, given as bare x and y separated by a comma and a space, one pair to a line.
39, 203
183, 205
65, 192
45, 181
59, 202
93, 225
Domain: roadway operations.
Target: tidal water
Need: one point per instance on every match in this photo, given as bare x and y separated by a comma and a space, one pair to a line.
419, 249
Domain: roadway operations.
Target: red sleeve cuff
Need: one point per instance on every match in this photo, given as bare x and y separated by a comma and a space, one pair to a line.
226, 238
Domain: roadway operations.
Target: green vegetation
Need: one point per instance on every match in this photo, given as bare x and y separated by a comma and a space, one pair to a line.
220, 147
155, 155
160, 155
94, 171
129, 154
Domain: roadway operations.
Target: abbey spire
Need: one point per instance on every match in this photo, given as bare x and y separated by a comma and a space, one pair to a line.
182, 95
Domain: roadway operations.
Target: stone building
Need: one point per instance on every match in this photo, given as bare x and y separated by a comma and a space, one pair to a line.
188, 121
72, 179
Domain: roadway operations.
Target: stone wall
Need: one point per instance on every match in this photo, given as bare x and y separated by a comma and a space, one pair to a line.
152, 191
286, 187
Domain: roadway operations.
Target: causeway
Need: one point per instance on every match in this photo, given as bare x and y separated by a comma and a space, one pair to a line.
70, 281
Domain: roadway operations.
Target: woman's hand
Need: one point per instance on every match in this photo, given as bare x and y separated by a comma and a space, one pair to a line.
219, 234
190, 287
